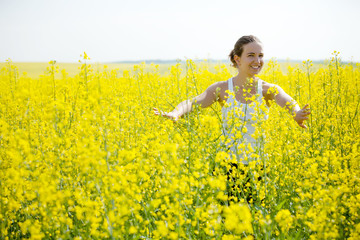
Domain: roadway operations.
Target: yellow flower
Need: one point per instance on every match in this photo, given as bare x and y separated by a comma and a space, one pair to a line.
284, 219
238, 219
132, 230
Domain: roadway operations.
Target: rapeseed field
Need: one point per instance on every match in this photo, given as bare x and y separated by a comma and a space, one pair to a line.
84, 156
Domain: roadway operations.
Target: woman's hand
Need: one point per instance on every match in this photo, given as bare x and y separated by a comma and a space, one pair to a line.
169, 115
301, 115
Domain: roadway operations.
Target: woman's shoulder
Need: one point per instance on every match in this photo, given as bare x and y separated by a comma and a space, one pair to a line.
221, 85
270, 90
218, 89
266, 86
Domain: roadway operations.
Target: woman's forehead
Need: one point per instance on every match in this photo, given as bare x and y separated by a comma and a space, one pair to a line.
253, 47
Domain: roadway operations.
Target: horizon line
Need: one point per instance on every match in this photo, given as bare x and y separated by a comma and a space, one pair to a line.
165, 61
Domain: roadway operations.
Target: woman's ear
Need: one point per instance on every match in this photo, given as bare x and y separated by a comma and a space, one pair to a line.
237, 60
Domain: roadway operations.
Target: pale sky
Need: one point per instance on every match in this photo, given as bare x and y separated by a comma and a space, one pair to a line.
109, 30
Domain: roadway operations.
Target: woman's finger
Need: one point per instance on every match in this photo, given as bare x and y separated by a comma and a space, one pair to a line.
306, 105
305, 113
156, 112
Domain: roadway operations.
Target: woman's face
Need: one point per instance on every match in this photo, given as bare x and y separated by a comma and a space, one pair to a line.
251, 60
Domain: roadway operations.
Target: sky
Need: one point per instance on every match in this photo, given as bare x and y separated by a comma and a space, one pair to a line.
132, 30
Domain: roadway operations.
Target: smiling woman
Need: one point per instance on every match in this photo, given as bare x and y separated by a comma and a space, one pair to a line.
243, 99
247, 57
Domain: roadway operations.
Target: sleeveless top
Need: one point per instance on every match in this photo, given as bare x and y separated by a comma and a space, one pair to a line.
240, 120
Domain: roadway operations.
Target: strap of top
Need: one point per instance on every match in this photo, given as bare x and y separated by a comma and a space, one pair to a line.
231, 90
230, 85
260, 88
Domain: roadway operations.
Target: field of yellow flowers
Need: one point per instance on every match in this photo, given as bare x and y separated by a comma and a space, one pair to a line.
85, 157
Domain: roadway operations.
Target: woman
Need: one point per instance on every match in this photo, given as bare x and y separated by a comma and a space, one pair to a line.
237, 97
247, 57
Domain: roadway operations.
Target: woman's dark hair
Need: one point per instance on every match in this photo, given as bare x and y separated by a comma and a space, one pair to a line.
239, 47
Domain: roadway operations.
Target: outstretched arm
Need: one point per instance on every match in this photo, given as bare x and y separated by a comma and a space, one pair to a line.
205, 99
180, 110
284, 100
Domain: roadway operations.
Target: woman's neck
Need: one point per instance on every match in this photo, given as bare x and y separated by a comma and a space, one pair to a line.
243, 81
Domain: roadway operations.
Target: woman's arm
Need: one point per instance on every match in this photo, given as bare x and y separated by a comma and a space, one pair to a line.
276, 93
205, 99
179, 111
